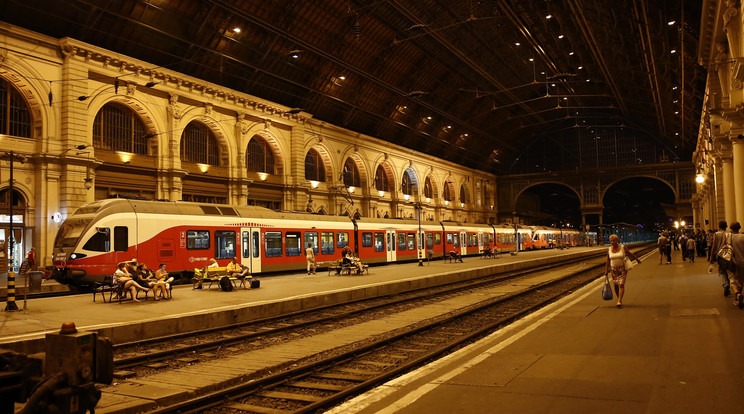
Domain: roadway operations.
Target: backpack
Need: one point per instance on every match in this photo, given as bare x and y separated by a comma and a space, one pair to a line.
726, 256
225, 284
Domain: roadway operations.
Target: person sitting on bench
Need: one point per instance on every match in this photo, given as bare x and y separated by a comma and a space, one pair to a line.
357, 264
455, 255
238, 271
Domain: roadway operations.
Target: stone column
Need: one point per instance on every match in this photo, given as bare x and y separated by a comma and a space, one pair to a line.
738, 170
729, 203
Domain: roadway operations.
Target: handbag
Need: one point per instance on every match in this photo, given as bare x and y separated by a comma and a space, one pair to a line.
628, 263
607, 289
726, 256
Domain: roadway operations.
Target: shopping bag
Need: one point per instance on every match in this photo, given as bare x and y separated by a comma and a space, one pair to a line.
628, 263
607, 289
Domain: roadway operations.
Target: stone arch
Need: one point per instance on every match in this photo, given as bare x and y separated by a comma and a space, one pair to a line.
275, 146
222, 142
217, 128
325, 156
322, 211
434, 188
361, 166
578, 195
415, 188
449, 189
30, 83
159, 139
464, 193
606, 187
389, 173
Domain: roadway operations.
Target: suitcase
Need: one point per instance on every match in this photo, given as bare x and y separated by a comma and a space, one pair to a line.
255, 283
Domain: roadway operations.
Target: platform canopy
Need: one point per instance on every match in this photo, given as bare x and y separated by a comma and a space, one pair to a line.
504, 86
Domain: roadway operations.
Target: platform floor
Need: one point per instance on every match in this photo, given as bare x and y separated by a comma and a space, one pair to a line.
675, 347
191, 309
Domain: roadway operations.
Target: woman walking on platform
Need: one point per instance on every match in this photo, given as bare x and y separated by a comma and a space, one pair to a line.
616, 266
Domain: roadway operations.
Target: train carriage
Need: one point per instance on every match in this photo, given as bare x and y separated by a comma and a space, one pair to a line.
184, 236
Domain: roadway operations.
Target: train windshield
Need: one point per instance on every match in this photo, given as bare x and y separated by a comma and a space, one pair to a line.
70, 232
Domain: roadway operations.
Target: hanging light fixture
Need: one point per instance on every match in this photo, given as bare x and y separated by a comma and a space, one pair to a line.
699, 177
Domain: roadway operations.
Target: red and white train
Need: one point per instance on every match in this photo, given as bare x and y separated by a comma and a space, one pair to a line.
185, 235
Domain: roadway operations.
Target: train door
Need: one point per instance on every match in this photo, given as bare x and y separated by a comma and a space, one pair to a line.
420, 245
463, 243
390, 250
250, 242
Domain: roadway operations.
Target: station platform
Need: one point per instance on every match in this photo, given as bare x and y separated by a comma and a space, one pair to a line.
189, 310
674, 347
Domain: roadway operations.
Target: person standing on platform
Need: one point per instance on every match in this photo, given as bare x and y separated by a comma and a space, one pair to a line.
662, 244
31, 259
615, 266
736, 277
683, 245
310, 256
718, 241
691, 243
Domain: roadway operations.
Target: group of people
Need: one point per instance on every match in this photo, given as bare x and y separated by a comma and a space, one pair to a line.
233, 269
731, 279
348, 258
691, 245
137, 277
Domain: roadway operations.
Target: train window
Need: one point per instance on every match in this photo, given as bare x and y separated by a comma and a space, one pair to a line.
326, 243
246, 239
379, 242
437, 239
390, 242
456, 240
292, 240
273, 243
121, 238
100, 241
256, 239
197, 239
429, 241
401, 241
311, 237
367, 239
449, 238
411, 241
224, 244
342, 240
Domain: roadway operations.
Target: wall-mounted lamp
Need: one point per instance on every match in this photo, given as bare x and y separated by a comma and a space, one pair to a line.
462, 205
382, 193
263, 176
125, 157
446, 202
87, 182
407, 196
314, 183
699, 177
351, 189
428, 200
204, 168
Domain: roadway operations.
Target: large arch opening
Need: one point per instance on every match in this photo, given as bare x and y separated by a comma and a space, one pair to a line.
643, 201
549, 204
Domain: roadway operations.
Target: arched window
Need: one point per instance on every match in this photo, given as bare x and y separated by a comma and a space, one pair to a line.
428, 189
259, 157
351, 174
119, 128
15, 117
198, 144
314, 167
463, 194
406, 185
447, 192
381, 179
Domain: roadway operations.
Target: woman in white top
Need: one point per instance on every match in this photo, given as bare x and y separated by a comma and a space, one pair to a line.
616, 266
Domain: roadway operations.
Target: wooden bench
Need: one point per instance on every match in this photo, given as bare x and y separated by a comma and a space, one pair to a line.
490, 254
341, 268
213, 275
111, 286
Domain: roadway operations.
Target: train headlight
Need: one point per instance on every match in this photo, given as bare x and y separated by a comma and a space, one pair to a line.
74, 256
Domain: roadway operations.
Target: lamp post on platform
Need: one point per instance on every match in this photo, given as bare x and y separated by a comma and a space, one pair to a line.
417, 205
11, 305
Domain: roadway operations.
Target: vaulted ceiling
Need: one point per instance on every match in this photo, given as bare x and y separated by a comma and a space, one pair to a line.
473, 82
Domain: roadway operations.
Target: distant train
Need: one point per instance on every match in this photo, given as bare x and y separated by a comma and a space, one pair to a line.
185, 235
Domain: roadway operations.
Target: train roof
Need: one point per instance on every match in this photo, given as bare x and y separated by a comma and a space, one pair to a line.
116, 205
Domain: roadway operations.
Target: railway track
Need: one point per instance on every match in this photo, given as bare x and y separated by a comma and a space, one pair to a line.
327, 378
330, 380
148, 352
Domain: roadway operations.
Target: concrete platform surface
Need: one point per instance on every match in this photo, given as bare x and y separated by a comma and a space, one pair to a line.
194, 309
674, 347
